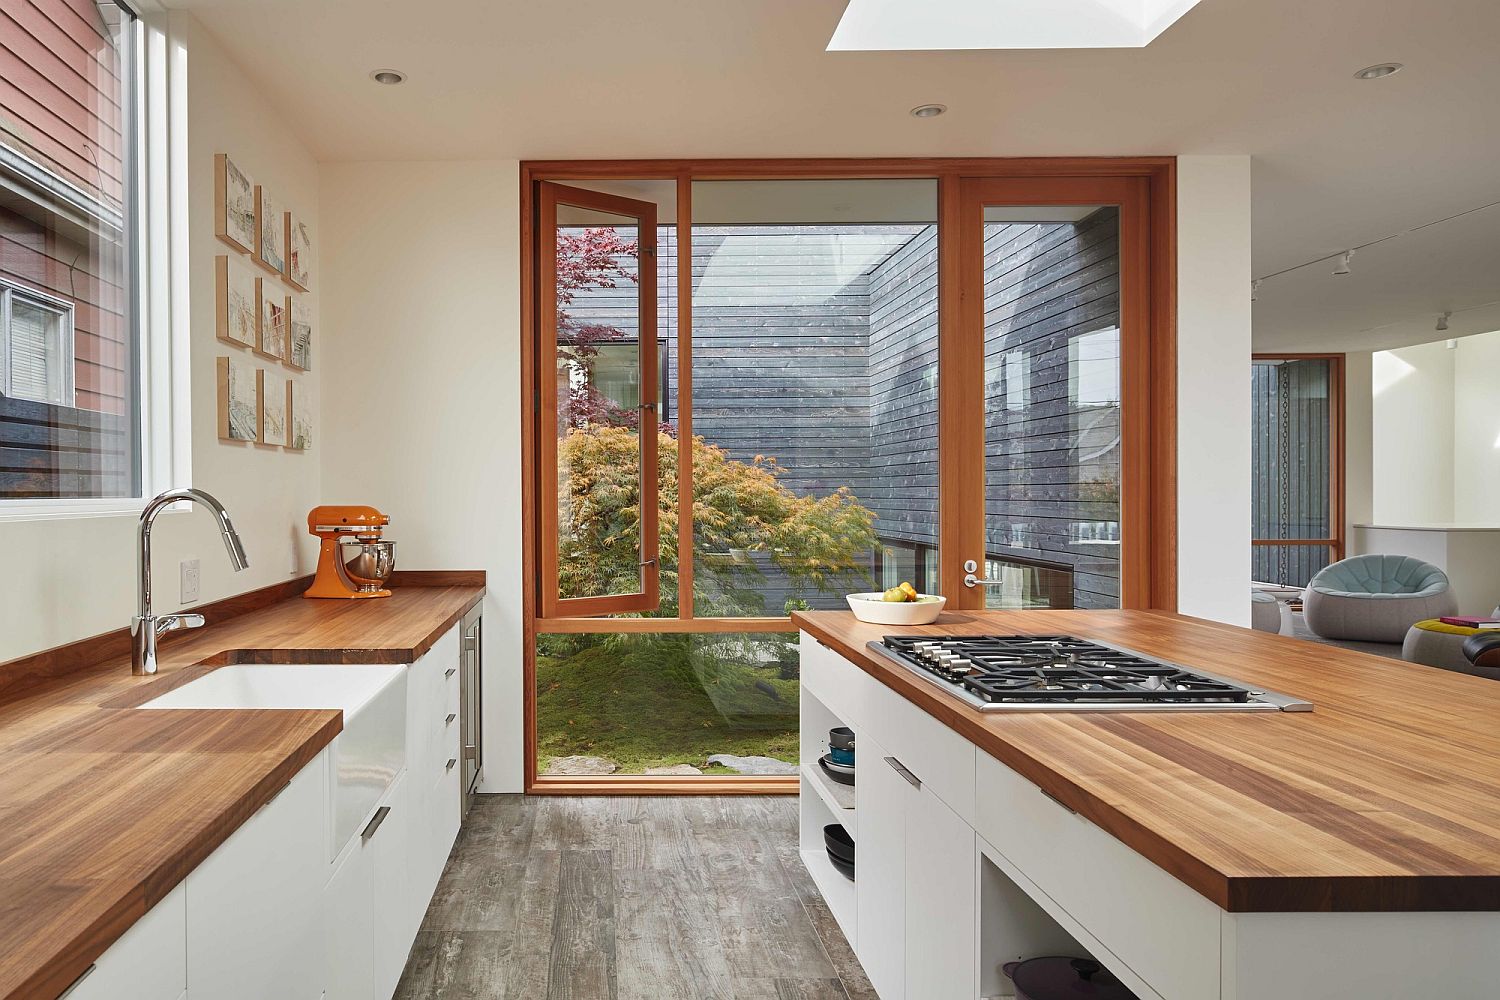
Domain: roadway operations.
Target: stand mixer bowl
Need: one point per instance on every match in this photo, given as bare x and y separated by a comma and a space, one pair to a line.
367, 565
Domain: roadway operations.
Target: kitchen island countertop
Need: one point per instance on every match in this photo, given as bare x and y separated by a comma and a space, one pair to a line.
1385, 797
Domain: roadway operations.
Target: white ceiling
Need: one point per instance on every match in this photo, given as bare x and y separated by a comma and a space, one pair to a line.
1338, 162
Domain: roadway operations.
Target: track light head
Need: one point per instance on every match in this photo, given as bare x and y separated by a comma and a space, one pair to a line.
1255, 288
1344, 262
1442, 323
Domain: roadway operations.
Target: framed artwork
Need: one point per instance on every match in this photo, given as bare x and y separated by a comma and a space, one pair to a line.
271, 319
298, 253
299, 417
270, 232
275, 401
234, 303
239, 400
299, 343
234, 205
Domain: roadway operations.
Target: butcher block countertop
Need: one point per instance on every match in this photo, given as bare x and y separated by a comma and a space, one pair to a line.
105, 808
1385, 797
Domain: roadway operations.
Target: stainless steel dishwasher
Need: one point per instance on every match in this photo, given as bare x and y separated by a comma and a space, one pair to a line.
470, 687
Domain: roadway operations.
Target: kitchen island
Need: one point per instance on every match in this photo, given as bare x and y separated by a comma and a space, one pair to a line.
105, 808
1196, 853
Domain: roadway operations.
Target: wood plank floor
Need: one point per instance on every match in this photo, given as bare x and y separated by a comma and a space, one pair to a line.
624, 898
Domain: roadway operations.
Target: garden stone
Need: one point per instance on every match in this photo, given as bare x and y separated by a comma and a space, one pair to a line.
673, 769
581, 765
753, 765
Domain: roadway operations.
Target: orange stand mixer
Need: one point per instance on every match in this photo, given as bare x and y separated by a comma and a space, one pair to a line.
353, 559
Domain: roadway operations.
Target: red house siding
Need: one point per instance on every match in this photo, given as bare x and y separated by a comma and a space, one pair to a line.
60, 101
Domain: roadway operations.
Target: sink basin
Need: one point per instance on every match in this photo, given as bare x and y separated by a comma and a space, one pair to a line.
364, 758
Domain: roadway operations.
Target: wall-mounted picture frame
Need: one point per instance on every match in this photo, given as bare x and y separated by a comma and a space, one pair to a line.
239, 399
299, 418
270, 232
234, 205
275, 403
299, 335
235, 302
298, 253
271, 315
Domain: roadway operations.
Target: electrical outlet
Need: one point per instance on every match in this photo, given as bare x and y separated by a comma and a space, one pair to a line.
189, 581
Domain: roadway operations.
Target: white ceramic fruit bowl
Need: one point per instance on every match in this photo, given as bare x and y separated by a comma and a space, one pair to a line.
870, 608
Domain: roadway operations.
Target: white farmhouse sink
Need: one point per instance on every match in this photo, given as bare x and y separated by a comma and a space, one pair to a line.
365, 757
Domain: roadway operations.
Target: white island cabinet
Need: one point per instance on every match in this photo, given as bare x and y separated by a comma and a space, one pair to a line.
962, 865
148, 962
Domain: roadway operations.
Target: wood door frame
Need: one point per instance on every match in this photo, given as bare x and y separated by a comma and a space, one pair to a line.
1155, 585
550, 195
1338, 539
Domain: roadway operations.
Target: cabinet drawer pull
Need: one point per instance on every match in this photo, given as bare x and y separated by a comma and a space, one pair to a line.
375, 821
911, 779
450, 671
76, 983
451, 761
451, 716
1059, 801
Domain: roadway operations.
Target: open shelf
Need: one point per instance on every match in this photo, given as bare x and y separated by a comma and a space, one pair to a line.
838, 892
838, 798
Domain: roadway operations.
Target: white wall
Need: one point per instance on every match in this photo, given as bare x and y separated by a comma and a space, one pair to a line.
421, 320
1213, 397
75, 577
1476, 430
1412, 430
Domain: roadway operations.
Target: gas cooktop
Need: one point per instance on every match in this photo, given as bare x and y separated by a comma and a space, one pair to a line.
1062, 673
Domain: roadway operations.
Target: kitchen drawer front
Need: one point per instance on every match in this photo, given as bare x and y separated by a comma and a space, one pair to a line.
1165, 932
943, 760
846, 690
149, 961
940, 758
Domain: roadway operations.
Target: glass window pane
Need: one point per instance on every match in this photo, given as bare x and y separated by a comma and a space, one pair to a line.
627, 704
599, 366
1052, 406
69, 399
814, 391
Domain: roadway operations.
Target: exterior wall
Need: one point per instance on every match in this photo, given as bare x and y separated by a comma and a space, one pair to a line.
1291, 453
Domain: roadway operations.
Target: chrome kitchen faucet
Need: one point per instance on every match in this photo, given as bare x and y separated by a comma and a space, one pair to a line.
146, 628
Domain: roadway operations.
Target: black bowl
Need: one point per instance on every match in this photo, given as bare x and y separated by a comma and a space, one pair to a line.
840, 845
845, 868
843, 777
841, 738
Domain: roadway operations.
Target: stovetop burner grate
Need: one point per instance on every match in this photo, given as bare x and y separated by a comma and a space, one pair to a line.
1041, 669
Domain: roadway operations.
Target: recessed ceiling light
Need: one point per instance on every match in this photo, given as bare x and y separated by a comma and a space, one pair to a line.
390, 77
1378, 70
928, 110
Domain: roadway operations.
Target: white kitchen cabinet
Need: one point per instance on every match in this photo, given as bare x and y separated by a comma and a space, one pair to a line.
915, 884
941, 901
349, 922
396, 912
372, 918
148, 962
880, 800
255, 906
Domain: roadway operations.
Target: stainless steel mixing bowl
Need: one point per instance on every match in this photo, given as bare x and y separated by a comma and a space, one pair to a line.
368, 565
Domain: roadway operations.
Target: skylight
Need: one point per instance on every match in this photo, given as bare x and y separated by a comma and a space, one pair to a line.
1003, 24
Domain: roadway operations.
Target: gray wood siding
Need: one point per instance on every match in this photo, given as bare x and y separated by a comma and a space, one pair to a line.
833, 372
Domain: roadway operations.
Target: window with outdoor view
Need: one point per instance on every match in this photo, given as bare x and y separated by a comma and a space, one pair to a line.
69, 393
737, 417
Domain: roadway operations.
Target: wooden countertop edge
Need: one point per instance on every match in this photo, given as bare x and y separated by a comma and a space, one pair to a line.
1234, 894
93, 939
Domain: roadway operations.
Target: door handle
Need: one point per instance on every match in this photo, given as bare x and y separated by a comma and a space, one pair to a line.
900, 768
375, 821
970, 580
